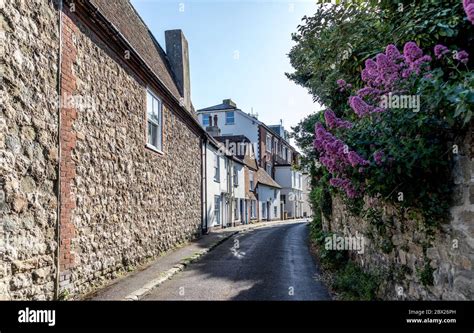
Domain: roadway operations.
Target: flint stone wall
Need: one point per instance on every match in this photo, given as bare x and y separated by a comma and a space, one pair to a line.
132, 203
28, 150
404, 248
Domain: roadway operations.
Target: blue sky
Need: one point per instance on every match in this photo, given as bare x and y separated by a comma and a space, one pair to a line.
238, 50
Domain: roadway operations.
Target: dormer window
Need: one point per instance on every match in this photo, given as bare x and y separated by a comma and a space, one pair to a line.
229, 118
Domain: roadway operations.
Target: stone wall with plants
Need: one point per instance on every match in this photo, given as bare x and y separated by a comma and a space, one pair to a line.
391, 157
132, 203
28, 150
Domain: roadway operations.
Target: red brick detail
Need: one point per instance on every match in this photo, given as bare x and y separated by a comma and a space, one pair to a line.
68, 143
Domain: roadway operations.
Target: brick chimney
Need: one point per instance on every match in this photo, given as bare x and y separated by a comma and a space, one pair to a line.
178, 56
213, 129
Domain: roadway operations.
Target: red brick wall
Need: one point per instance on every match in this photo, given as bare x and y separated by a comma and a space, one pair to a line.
67, 144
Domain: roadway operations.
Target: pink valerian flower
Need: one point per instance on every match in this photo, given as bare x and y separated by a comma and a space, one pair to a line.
412, 52
355, 159
386, 73
462, 56
360, 107
393, 54
334, 122
440, 51
378, 157
346, 185
469, 9
368, 92
334, 153
343, 85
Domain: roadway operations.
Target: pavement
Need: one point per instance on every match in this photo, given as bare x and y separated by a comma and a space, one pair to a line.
262, 261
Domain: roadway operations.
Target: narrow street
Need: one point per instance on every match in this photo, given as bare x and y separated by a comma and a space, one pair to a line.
269, 263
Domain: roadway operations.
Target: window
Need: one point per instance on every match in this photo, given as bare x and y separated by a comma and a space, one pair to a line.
269, 143
229, 118
288, 153
253, 209
236, 176
236, 209
264, 210
216, 168
275, 193
154, 117
268, 168
217, 209
275, 211
251, 180
205, 120
275, 145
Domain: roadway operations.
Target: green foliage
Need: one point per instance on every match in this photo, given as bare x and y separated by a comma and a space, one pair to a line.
355, 284
334, 43
426, 274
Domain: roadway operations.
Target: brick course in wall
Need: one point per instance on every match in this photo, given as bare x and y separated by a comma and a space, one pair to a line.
67, 144
120, 204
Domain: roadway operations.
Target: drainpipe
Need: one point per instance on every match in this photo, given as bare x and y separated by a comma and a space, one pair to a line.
204, 226
58, 182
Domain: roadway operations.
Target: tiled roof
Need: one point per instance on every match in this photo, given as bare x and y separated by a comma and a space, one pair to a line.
126, 20
248, 159
264, 178
222, 106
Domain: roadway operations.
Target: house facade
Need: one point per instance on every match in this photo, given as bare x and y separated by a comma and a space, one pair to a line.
292, 190
307, 211
231, 121
274, 153
103, 172
268, 196
279, 159
224, 187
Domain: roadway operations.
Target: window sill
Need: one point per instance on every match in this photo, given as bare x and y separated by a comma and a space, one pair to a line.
153, 148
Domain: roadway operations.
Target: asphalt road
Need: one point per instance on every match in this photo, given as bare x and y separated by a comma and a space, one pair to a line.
270, 263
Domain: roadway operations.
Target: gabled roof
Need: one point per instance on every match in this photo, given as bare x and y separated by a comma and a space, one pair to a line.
127, 21
264, 178
246, 157
219, 145
222, 106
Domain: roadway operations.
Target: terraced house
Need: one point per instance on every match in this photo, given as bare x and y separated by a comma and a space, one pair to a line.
100, 148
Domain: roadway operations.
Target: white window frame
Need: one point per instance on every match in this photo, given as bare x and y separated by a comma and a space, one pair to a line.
157, 146
236, 176
268, 147
253, 209
217, 209
236, 210
251, 180
264, 210
232, 122
268, 168
217, 168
